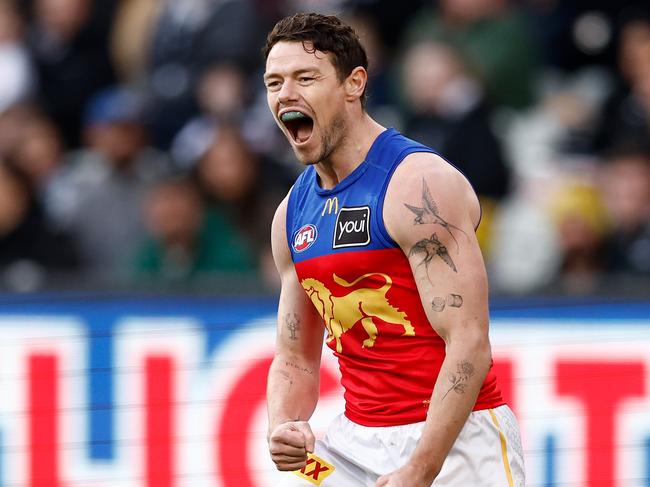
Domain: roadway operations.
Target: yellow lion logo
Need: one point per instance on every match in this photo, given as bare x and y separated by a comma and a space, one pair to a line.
341, 313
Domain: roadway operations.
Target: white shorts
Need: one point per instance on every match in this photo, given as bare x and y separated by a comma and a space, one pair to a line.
487, 453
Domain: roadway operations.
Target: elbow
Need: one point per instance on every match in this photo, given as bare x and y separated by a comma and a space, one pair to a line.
481, 351
485, 352
475, 346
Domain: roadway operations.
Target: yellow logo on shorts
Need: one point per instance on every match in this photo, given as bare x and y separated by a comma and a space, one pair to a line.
316, 470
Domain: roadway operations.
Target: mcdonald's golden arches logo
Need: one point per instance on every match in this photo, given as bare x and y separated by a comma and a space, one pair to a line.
331, 204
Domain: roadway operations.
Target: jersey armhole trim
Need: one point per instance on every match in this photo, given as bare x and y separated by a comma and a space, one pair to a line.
289, 217
384, 236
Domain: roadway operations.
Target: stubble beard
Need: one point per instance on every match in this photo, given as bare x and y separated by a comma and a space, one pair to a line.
332, 138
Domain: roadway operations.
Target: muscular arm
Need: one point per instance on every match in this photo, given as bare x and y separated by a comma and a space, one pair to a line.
431, 211
293, 381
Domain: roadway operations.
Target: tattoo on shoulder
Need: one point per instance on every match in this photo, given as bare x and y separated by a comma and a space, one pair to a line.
429, 213
453, 300
430, 248
459, 379
292, 322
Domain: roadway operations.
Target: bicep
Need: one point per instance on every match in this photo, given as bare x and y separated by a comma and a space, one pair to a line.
430, 210
455, 301
300, 330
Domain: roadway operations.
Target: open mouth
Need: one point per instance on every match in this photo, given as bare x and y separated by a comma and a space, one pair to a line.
299, 125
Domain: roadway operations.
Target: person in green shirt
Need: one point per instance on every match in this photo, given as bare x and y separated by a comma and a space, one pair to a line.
494, 39
186, 240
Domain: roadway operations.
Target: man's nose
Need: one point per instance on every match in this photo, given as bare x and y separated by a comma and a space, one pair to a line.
288, 92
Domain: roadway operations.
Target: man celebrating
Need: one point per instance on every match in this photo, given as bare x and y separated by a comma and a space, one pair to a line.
376, 243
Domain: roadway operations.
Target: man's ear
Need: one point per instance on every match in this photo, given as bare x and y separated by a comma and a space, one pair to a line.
355, 83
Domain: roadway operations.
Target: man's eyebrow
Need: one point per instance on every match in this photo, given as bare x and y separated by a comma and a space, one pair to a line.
306, 70
297, 72
272, 74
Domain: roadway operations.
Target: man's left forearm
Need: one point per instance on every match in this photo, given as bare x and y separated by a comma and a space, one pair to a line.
461, 376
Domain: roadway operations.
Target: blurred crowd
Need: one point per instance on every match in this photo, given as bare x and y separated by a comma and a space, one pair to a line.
136, 146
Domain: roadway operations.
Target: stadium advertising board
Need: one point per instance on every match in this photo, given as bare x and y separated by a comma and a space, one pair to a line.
149, 393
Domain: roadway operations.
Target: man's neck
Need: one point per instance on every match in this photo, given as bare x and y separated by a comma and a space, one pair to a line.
350, 153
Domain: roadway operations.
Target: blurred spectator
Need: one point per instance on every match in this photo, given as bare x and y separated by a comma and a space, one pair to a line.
571, 34
381, 90
581, 225
391, 18
625, 116
493, 36
555, 132
39, 151
327, 7
17, 74
130, 38
34, 145
97, 195
242, 186
185, 239
190, 35
222, 98
12, 124
29, 248
71, 60
525, 252
625, 183
224, 95
447, 111
575, 34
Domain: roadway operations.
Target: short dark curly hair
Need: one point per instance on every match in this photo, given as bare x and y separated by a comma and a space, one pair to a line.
325, 33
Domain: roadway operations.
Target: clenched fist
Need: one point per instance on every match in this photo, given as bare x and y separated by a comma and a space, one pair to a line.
289, 444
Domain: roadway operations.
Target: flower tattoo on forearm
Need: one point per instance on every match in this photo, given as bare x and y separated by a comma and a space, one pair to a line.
459, 379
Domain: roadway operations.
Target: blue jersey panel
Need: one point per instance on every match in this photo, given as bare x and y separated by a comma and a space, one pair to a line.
347, 217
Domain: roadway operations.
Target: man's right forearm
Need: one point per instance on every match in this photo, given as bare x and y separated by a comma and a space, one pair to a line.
292, 390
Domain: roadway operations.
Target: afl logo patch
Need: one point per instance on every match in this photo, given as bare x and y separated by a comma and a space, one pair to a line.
352, 227
305, 238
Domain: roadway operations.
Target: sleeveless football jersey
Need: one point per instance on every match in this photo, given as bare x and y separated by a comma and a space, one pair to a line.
361, 283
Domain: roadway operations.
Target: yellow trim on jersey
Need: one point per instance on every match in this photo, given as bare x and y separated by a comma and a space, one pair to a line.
504, 448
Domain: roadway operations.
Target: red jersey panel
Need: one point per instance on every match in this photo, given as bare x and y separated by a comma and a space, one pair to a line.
388, 353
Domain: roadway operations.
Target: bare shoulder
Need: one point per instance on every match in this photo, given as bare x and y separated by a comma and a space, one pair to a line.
427, 189
280, 216
441, 178
279, 243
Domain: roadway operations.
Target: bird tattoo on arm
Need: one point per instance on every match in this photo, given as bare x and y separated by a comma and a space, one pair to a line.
432, 247
429, 213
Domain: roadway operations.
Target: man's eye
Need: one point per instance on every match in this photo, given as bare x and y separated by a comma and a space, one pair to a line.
305, 79
272, 85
